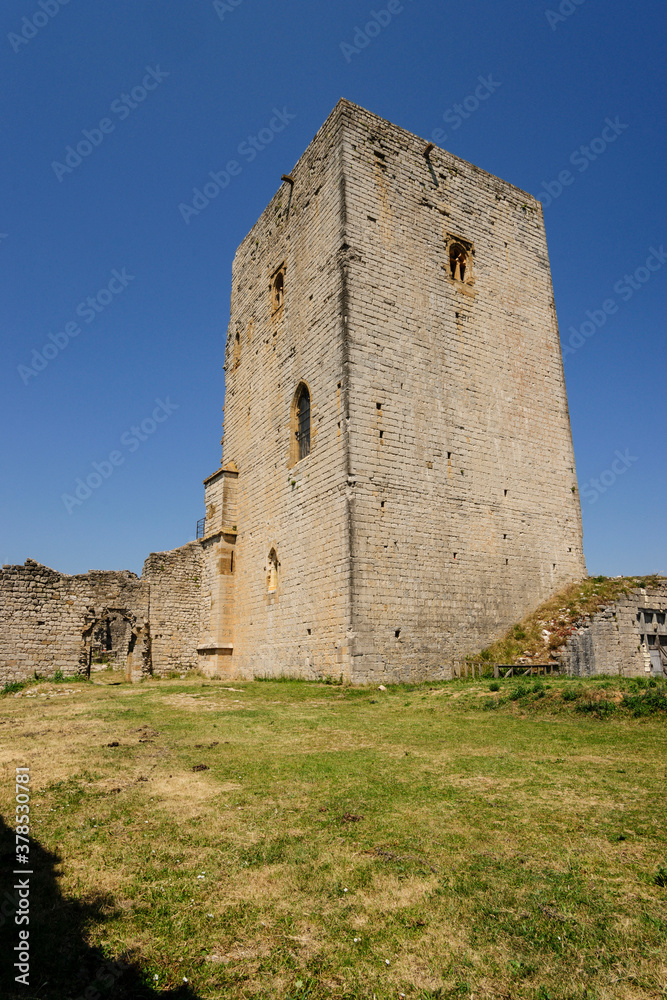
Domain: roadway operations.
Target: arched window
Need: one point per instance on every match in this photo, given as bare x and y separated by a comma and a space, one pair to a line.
277, 291
272, 572
458, 261
303, 421
299, 425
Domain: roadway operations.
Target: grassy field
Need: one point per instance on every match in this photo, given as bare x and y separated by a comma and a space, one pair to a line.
294, 840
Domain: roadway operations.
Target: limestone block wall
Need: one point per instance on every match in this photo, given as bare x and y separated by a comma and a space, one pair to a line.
624, 638
288, 510
214, 502
177, 613
49, 620
219, 562
465, 508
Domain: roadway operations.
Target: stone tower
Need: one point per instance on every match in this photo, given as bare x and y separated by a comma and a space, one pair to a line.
398, 481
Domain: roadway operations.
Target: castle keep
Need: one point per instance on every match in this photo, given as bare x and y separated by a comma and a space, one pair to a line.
397, 483
398, 480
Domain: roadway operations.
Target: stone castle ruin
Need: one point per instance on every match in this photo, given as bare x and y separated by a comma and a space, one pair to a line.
397, 483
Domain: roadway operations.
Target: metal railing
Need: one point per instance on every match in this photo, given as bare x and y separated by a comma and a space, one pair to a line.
201, 527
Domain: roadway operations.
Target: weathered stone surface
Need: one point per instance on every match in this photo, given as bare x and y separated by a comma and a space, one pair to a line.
438, 503
50, 621
53, 622
628, 637
175, 581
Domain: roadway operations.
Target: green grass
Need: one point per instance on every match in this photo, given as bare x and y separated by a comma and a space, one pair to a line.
484, 840
11, 687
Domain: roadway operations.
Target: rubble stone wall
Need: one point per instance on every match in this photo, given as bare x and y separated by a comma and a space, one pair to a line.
177, 615
48, 620
624, 638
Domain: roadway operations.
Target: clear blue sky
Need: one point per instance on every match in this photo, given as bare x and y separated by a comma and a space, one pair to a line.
213, 75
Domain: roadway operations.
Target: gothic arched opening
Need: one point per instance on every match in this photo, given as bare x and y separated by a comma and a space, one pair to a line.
458, 261
277, 290
114, 640
272, 572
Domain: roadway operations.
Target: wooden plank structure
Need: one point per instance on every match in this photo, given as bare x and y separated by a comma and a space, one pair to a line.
475, 670
524, 669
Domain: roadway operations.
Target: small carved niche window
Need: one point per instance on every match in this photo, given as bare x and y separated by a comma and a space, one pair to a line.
277, 290
458, 261
272, 573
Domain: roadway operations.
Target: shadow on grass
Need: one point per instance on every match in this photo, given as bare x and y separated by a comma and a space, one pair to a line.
63, 966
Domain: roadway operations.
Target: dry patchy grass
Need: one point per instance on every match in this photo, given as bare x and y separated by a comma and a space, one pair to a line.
341, 842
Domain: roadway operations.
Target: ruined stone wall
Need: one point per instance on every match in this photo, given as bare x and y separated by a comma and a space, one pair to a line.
465, 505
295, 509
620, 638
177, 613
48, 620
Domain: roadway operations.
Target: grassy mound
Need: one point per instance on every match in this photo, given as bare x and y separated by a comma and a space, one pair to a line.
537, 637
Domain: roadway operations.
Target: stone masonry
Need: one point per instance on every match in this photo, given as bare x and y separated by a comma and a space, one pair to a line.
397, 483
52, 622
628, 637
410, 294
